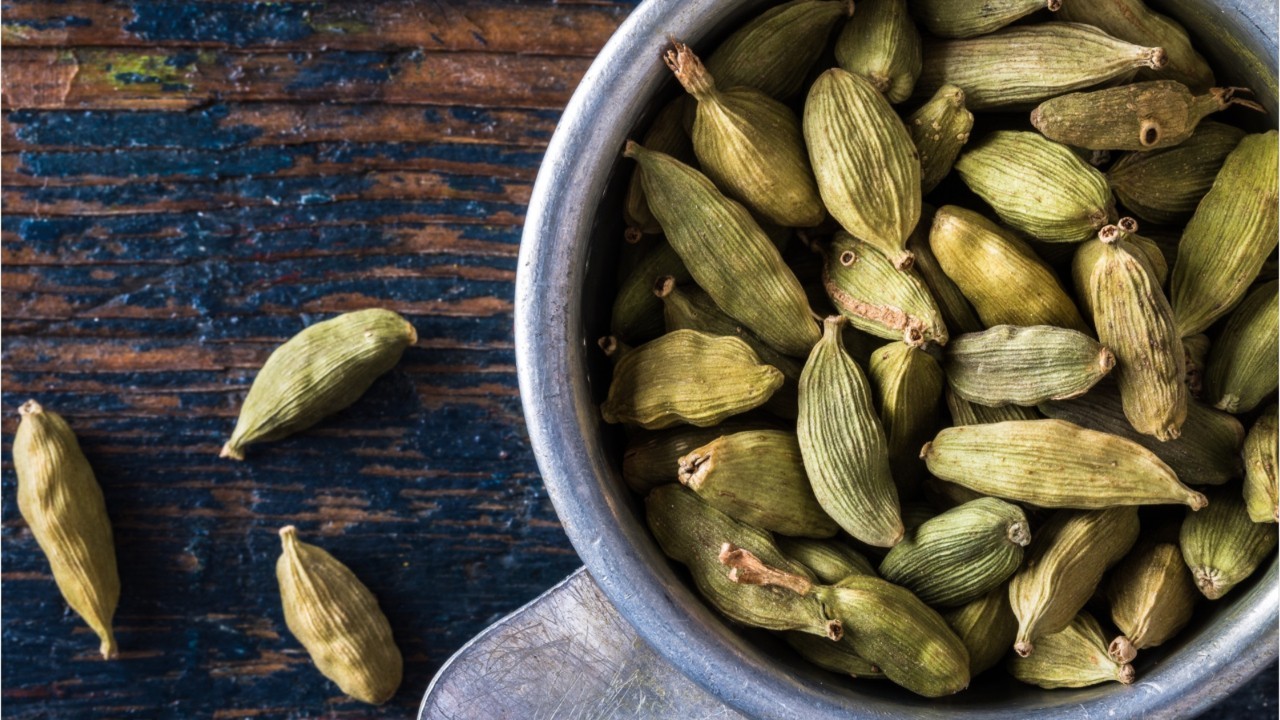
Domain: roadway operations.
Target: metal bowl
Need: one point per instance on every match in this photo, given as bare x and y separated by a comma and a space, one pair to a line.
564, 286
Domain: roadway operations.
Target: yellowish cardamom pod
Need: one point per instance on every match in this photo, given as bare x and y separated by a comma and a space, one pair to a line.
1025, 365
1261, 494
1152, 598
1088, 253
907, 382
62, 503
987, 628
838, 657
958, 315
666, 135
965, 18
637, 315
652, 458
1075, 656
829, 560
1132, 21
964, 412
1222, 545
881, 43
318, 372
1164, 186
774, 52
940, 128
1242, 371
338, 621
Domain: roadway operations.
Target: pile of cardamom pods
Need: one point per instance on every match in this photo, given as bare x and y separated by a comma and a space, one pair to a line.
918, 441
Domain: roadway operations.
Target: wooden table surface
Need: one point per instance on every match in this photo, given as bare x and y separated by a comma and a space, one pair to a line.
186, 185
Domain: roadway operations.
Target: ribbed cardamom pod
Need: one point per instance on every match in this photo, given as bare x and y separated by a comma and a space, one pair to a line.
637, 313
1018, 67
1195, 349
957, 314
318, 372
864, 287
690, 377
1065, 563
1088, 253
1206, 453
1242, 368
1261, 494
1234, 229
943, 494
964, 18
866, 164
1133, 21
338, 621
1134, 319
1025, 365
1142, 116
1037, 186
1222, 545
666, 134
1012, 286
691, 532
1164, 186
774, 52
881, 43
652, 458
750, 145
1055, 464
907, 383
1075, 656
829, 560
721, 244
987, 628
843, 444
757, 477
939, 128
838, 657
885, 624
1151, 596
960, 555
62, 503
964, 412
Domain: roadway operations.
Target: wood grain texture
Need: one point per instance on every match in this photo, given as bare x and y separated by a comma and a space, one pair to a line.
185, 186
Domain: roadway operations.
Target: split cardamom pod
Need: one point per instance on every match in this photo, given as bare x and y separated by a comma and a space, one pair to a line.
878, 299
866, 164
829, 560
774, 52
1165, 186
1234, 229
653, 458
1242, 364
1025, 365
338, 621
1037, 186
960, 555
61, 501
721, 244
843, 445
1016, 68
1065, 563
964, 412
1055, 464
987, 628
1222, 545
1152, 597
318, 372
939, 128
963, 18
690, 377
1260, 459
881, 43
1075, 656
666, 134
1133, 21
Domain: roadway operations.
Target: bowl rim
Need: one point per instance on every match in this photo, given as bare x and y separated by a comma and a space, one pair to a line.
563, 424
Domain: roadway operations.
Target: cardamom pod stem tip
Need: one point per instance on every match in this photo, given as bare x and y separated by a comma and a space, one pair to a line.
1155, 58
1024, 648
1019, 534
289, 534
689, 70
663, 286
30, 407
1053, 5
924, 451
1127, 674
1106, 360
108, 646
231, 451
1207, 581
1122, 650
609, 344
632, 235
1225, 97
746, 568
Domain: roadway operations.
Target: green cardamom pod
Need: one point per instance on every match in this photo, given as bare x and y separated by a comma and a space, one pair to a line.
885, 624
1222, 545
1134, 319
774, 52
750, 145
666, 134
964, 18
957, 314
1242, 364
867, 166
1143, 116
947, 495
1055, 464
881, 43
960, 555
1037, 186
878, 299
652, 458
1073, 657
1012, 286
907, 383
939, 128
1234, 229
690, 377
1133, 21
637, 314
829, 560
721, 244
964, 412
1207, 452
1196, 350
1152, 598
692, 532
987, 628
757, 477
1261, 494
1025, 365
1016, 68
62, 503
338, 621
1087, 254
1165, 186
839, 657
318, 372
843, 445
1065, 563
